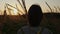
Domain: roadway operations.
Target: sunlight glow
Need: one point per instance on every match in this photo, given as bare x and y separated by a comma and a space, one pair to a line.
15, 12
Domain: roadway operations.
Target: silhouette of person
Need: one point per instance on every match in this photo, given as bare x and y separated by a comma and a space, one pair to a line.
35, 16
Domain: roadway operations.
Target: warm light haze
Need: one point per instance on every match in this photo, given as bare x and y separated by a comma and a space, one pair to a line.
28, 3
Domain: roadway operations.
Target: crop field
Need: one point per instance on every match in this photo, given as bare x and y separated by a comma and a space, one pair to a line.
10, 24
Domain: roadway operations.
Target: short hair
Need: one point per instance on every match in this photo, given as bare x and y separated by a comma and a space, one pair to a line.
35, 15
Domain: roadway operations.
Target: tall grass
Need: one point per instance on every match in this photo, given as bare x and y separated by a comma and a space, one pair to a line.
11, 27
48, 6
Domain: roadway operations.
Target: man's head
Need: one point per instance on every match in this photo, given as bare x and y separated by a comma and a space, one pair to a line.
35, 15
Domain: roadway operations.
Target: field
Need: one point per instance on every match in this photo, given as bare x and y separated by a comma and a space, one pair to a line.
10, 24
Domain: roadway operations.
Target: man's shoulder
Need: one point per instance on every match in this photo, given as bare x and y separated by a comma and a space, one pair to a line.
46, 30
22, 29
43, 29
25, 27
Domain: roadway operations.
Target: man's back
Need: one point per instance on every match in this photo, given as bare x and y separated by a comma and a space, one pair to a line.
33, 30
35, 16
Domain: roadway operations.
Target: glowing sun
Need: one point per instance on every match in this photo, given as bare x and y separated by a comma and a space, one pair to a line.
15, 12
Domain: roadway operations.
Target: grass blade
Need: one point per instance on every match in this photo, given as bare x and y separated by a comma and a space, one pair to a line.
48, 6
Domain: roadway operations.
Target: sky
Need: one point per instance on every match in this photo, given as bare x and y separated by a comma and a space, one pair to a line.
28, 3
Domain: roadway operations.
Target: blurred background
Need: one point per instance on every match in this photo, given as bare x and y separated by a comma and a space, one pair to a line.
13, 15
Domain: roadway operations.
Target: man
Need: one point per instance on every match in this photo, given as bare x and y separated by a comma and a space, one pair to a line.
35, 16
